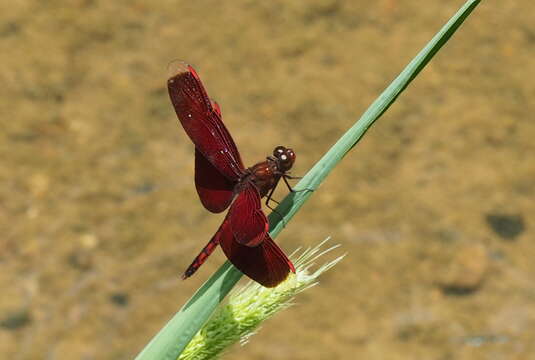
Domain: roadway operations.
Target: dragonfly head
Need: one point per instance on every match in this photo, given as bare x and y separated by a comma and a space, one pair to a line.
285, 158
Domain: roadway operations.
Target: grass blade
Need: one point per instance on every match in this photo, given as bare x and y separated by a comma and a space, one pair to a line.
172, 339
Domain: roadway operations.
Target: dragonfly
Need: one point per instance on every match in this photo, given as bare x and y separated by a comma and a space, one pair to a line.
223, 182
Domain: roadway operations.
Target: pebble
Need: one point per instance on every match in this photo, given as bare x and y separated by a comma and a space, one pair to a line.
16, 319
120, 299
466, 271
507, 226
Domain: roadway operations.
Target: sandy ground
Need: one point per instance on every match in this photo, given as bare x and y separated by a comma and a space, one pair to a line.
99, 216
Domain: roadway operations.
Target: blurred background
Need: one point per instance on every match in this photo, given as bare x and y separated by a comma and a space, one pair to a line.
99, 214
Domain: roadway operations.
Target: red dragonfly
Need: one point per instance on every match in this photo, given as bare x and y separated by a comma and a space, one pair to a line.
222, 181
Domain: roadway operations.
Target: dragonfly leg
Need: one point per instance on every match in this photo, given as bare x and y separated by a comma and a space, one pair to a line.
286, 177
270, 198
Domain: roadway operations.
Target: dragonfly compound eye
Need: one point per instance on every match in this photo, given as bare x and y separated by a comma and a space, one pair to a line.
286, 159
278, 151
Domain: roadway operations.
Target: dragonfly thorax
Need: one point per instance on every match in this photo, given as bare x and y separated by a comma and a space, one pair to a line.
266, 174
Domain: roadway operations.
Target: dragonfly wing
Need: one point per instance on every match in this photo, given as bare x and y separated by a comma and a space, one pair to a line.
265, 263
202, 122
215, 190
216, 107
246, 218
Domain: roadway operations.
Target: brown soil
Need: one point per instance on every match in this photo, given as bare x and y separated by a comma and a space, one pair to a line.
99, 215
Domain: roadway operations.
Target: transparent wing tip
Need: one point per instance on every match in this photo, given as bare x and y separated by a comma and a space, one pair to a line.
177, 67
